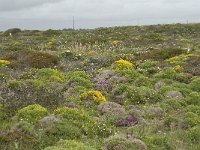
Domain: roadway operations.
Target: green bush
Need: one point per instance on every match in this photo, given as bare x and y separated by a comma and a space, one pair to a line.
135, 95
193, 108
190, 136
46, 91
14, 84
148, 67
41, 60
64, 129
194, 134
193, 98
51, 32
119, 144
32, 113
47, 74
161, 54
70, 145
25, 126
2, 112
170, 73
169, 120
73, 145
54, 148
78, 78
23, 58
142, 81
12, 31
155, 141
194, 85
171, 105
80, 119
130, 74
192, 119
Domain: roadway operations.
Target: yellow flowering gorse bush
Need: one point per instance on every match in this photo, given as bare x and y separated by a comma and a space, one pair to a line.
181, 58
4, 62
178, 68
94, 95
116, 42
123, 64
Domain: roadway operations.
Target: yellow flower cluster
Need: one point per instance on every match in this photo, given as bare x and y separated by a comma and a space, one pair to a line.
178, 68
4, 62
181, 58
115, 42
94, 95
123, 64
51, 41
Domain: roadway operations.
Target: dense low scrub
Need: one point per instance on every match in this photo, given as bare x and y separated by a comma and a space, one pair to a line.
120, 88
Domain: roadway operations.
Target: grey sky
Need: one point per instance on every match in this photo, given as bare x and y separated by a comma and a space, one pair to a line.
57, 14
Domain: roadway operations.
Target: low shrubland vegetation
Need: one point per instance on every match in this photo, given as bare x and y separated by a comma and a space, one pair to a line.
119, 88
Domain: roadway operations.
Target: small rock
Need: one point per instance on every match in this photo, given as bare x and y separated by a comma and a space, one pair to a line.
139, 144
111, 108
158, 85
174, 94
105, 74
156, 112
48, 121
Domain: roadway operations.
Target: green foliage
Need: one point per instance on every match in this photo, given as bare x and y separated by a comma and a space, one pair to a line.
25, 126
136, 95
14, 84
194, 85
130, 74
54, 148
191, 135
171, 105
160, 90
178, 60
32, 113
2, 112
70, 55
193, 98
169, 120
41, 60
51, 32
71, 113
192, 119
161, 54
170, 73
70, 145
155, 141
13, 31
193, 108
119, 144
148, 67
83, 122
43, 75
22, 58
78, 78
47, 74
63, 130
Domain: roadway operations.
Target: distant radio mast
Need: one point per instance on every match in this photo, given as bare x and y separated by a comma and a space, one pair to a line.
73, 23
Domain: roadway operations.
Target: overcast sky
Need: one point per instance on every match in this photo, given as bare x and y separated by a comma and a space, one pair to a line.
58, 14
